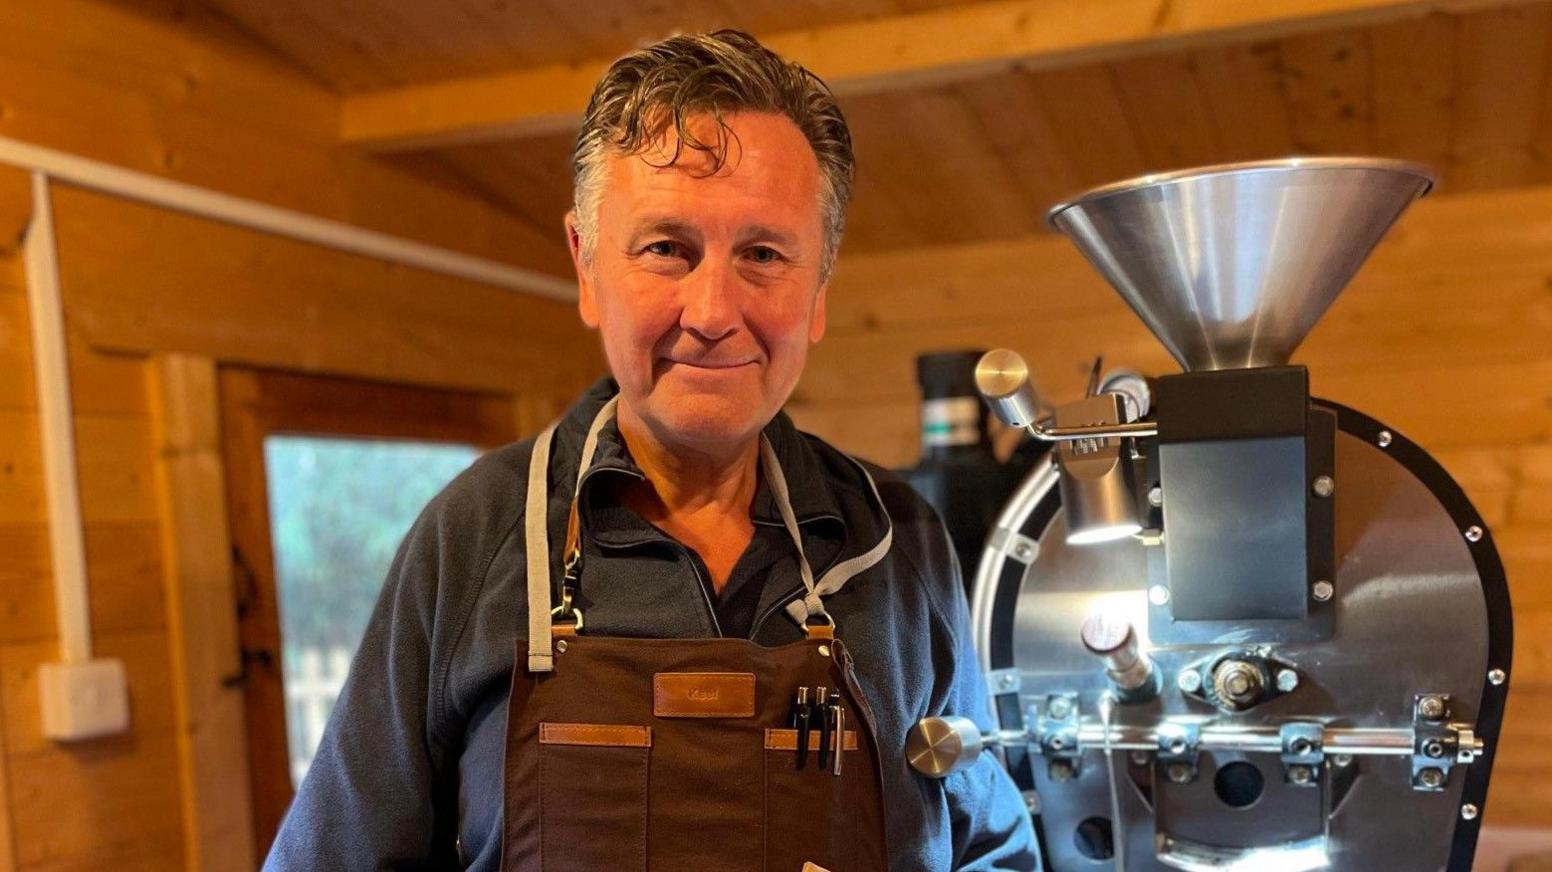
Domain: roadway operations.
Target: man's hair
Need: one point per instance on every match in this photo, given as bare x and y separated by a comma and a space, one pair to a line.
713, 74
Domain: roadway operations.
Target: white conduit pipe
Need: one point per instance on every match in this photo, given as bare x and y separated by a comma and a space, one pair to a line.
50, 353
50, 363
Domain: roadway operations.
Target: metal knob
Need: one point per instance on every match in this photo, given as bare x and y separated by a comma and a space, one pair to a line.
1002, 377
1114, 642
936, 747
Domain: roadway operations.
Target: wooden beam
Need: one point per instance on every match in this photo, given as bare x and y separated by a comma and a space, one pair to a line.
907, 50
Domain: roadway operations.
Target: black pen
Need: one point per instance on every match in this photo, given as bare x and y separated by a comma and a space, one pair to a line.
800, 722
822, 713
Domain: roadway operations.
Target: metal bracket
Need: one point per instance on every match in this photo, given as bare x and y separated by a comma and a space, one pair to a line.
1304, 754
1001, 681
1436, 745
1056, 731
1015, 545
1179, 751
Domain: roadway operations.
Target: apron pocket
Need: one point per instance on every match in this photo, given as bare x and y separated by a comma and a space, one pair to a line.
806, 809
593, 796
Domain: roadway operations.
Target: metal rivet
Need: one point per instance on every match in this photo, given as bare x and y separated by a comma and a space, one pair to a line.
1022, 553
1473, 533
561, 646
1300, 774
824, 650
1324, 486
1469, 812
1287, 680
1006, 680
1179, 773
1155, 496
1496, 676
1189, 680
1322, 590
1158, 595
1384, 439
1059, 707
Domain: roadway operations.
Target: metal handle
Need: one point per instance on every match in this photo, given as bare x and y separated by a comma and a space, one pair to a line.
937, 747
1002, 377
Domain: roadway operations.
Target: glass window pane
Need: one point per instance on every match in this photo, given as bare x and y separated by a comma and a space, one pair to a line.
338, 510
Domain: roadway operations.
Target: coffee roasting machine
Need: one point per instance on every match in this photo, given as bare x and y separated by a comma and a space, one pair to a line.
1225, 624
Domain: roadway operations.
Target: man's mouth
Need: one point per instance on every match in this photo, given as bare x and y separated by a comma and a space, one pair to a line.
711, 364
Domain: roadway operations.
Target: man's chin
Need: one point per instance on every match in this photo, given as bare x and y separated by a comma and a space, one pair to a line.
709, 420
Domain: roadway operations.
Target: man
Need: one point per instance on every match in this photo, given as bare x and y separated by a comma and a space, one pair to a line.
671, 512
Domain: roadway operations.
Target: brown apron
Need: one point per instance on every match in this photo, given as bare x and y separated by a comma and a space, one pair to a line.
678, 754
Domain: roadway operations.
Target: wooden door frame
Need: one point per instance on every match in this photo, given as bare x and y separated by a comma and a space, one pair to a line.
200, 410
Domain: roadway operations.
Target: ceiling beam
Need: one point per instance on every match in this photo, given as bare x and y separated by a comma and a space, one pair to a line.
901, 51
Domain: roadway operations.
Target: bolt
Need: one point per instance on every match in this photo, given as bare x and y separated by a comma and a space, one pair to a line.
1431, 707
1238, 684
1431, 778
1158, 595
1300, 774
1189, 680
1324, 486
1155, 496
1496, 676
1059, 707
1433, 748
1287, 680
1006, 680
1179, 773
1139, 758
1342, 760
1322, 590
1061, 770
1469, 812
1473, 533
1384, 439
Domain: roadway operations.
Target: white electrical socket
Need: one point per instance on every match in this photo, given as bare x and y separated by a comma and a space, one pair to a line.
84, 700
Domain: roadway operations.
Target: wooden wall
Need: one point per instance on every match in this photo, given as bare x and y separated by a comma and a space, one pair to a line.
158, 87
1446, 335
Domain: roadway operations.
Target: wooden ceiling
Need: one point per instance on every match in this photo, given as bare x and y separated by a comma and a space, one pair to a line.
960, 150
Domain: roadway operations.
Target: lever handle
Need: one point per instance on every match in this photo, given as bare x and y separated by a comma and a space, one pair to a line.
937, 747
1002, 377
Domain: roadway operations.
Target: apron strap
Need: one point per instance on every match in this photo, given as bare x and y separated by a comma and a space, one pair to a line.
541, 593
541, 625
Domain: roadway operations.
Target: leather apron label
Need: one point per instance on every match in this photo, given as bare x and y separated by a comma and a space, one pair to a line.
703, 694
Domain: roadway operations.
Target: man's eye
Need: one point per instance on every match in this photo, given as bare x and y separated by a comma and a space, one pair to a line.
664, 248
763, 254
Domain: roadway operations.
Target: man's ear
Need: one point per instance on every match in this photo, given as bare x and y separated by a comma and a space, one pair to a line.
587, 301
816, 324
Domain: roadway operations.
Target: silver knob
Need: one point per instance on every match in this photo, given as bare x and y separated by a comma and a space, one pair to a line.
936, 747
1112, 640
1002, 377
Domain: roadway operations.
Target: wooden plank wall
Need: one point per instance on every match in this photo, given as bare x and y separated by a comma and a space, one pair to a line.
167, 89
1446, 335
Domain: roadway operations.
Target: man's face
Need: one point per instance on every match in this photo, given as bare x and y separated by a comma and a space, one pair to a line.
706, 288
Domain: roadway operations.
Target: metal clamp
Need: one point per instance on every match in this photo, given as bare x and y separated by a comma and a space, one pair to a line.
1304, 753
1179, 749
1435, 742
1056, 734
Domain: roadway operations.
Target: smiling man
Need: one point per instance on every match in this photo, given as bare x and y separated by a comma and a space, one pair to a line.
672, 632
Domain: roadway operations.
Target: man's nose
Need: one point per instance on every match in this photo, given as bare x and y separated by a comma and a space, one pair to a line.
710, 300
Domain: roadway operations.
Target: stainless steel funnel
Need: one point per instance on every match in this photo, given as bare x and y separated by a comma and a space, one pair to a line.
1230, 266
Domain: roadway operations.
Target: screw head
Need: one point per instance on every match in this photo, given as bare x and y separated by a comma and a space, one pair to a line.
1287, 680
1155, 496
1032, 802
1473, 533
1342, 760
1300, 774
1384, 439
1469, 812
1324, 486
1433, 748
1140, 758
1058, 707
1431, 707
1158, 595
1022, 552
1189, 680
1431, 778
1179, 773
1006, 680
1060, 770
1496, 676
1322, 590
